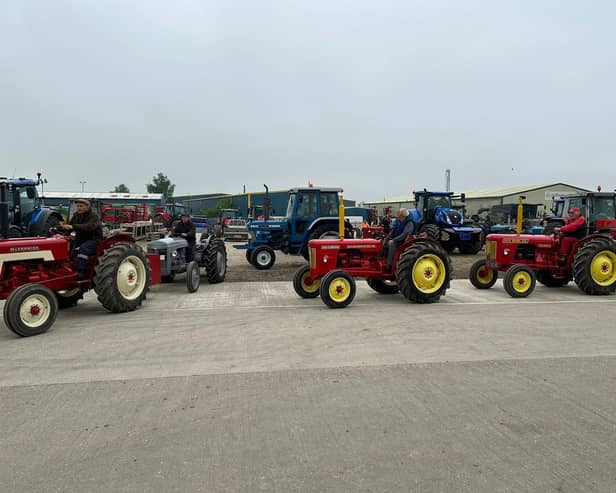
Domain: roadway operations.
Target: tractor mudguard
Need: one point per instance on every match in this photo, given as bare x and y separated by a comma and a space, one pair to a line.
321, 220
41, 219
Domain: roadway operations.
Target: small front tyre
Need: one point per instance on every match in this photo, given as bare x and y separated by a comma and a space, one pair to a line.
337, 289
193, 277
519, 281
30, 310
481, 276
302, 286
263, 257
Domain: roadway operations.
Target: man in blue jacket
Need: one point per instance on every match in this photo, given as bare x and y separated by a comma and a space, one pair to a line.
404, 227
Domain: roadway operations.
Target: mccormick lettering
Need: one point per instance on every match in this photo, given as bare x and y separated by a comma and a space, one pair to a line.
24, 249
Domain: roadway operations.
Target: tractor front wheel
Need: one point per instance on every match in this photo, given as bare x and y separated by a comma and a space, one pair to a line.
481, 276
30, 310
594, 267
423, 272
193, 277
302, 286
263, 257
249, 256
122, 277
382, 287
337, 289
215, 261
519, 281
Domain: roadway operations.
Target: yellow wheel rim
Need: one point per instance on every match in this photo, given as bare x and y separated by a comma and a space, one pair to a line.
429, 273
484, 275
312, 287
603, 268
521, 282
339, 289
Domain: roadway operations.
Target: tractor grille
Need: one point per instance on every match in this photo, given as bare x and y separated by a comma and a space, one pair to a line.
491, 250
313, 257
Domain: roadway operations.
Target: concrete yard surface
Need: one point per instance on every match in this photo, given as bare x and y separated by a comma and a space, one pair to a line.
247, 387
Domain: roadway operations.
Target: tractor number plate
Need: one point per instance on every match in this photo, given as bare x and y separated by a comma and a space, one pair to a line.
465, 236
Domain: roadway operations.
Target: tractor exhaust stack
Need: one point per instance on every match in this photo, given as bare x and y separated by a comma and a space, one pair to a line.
4, 210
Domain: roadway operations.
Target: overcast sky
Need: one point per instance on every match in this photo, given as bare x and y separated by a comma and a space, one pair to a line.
378, 97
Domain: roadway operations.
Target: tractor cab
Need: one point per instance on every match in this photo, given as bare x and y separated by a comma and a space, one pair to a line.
599, 209
26, 214
436, 216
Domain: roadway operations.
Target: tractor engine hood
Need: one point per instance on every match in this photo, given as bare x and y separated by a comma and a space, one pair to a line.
449, 216
257, 228
166, 244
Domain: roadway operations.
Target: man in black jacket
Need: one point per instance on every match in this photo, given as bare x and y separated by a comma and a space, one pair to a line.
186, 229
88, 233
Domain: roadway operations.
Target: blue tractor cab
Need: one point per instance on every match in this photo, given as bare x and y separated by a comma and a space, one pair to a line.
27, 215
311, 213
435, 216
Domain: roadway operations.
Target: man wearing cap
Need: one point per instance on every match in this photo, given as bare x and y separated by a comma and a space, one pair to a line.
186, 229
88, 233
574, 230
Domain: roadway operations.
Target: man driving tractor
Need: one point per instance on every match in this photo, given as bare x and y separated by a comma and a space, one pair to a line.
88, 233
574, 230
186, 229
404, 226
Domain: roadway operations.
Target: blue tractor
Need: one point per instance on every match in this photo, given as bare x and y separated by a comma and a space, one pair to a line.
312, 213
27, 216
435, 216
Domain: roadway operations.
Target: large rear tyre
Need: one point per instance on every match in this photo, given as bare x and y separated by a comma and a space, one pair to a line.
215, 261
68, 299
594, 267
519, 281
481, 276
432, 231
324, 232
381, 286
30, 310
337, 289
263, 257
302, 286
193, 277
122, 277
423, 272
549, 280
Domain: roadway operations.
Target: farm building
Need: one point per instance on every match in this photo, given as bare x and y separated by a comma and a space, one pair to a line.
535, 194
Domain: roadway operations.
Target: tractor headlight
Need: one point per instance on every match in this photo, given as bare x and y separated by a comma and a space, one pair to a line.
175, 253
506, 252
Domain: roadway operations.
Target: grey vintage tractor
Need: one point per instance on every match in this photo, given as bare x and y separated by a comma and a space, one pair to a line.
209, 253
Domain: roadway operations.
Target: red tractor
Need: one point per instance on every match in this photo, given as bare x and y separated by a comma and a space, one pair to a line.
421, 269
526, 259
37, 277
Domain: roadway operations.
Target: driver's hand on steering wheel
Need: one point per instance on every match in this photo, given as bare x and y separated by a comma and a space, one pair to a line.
556, 231
67, 227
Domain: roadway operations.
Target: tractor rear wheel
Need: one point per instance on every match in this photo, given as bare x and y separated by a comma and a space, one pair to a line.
337, 289
30, 310
594, 267
193, 277
423, 272
68, 299
263, 257
519, 281
215, 261
481, 276
301, 285
432, 231
380, 286
549, 280
324, 232
122, 277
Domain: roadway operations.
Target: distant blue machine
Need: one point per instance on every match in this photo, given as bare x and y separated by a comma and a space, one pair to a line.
311, 213
27, 216
435, 216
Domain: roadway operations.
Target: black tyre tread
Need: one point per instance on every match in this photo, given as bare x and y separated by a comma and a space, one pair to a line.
11, 315
549, 280
432, 231
105, 275
249, 256
215, 245
322, 229
297, 283
581, 266
256, 251
403, 269
381, 287
508, 284
472, 275
190, 286
324, 289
